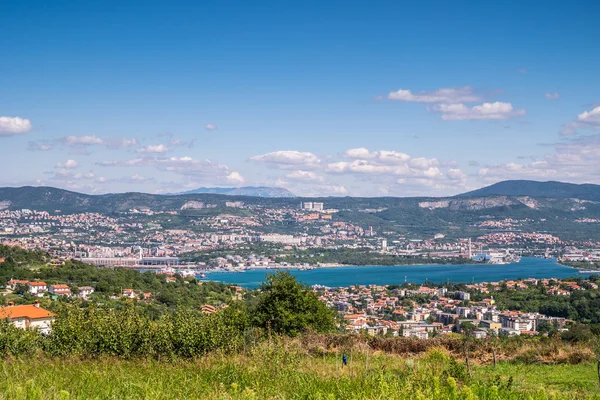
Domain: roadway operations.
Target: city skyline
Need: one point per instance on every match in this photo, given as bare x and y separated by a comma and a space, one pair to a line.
321, 99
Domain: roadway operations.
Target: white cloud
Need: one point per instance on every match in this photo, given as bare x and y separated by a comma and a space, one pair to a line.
288, 159
552, 96
210, 127
160, 148
10, 126
235, 178
82, 140
360, 153
305, 176
573, 160
126, 163
590, 117
204, 170
445, 95
494, 111
70, 164
382, 157
92, 140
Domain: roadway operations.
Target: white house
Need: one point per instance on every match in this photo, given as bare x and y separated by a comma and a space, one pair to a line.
37, 288
28, 316
60, 289
85, 291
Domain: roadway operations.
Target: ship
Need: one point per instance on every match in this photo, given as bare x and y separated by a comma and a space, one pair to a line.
496, 257
186, 273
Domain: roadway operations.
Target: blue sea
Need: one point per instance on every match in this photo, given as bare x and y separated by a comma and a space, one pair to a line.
387, 275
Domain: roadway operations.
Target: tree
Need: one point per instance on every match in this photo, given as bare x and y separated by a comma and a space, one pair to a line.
288, 307
578, 333
21, 288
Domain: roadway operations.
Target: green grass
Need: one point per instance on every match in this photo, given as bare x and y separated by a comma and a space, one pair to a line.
286, 372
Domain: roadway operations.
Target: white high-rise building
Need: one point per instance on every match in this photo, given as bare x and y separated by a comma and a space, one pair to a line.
307, 205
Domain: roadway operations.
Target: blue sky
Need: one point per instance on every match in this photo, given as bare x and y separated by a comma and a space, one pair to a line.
323, 98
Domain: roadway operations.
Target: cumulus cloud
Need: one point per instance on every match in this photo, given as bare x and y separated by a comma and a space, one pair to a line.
82, 140
574, 160
288, 159
210, 127
10, 126
304, 176
70, 164
93, 140
126, 163
445, 95
382, 157
552, 96
590, 119
493, 111
235, 178
159, 148
207, 170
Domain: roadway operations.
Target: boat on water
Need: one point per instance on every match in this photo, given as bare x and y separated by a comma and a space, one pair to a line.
589, 271
496, 257
186, 273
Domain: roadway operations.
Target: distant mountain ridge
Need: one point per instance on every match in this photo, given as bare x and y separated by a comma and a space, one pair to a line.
547, 197
553, 189
255, 191
573, 214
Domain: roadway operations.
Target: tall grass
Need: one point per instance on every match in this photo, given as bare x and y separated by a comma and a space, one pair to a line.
281, 370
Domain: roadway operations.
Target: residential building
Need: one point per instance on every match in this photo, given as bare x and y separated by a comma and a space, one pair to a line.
37, 288
60, 289
28, 316
85, 291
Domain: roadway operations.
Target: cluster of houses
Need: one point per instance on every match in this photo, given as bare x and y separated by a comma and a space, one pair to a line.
39, 288
378, 310
133, 294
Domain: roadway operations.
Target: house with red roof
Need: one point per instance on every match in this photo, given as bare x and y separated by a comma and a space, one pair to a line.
28, 316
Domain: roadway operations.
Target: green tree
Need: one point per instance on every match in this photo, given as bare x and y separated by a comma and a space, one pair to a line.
288, 307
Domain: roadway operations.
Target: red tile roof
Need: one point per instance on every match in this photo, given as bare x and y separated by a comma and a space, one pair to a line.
29, 311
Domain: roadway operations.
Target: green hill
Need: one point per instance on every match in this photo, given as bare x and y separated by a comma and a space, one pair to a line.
539, 189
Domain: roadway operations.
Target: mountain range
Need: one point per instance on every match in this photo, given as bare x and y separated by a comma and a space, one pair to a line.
257, 191
538, 189
565, 210
513, 194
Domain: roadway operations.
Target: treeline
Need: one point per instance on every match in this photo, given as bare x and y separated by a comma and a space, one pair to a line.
15, 255
284, 307
31, 265
581, 305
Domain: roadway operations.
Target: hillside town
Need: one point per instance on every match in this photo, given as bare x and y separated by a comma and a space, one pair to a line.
426, 311
125, 238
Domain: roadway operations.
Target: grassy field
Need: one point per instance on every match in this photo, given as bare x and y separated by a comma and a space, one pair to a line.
285, 372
